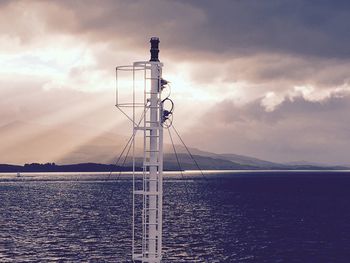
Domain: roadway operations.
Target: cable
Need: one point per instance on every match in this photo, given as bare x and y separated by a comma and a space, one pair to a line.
126, 156
169, 88
179, 164
167, 117
194, 160
121, 154
187, 193
177, 158
166, 123
171, 103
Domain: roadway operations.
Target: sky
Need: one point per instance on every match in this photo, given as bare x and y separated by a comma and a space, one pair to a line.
268, 79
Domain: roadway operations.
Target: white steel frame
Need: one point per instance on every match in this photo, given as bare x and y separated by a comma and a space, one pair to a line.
147, 238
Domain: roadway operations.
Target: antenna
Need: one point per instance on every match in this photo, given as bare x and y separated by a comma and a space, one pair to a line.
148, 190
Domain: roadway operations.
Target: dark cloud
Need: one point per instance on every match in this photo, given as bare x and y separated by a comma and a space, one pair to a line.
296, 130
126, 22
289, 41
316, 28
312, 28
270, 46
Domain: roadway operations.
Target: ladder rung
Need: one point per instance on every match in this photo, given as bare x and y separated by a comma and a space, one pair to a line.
147, 253
150, 223
145, 192
148, 259
148, 128
151, 163
153, 107
150, 208
152, 151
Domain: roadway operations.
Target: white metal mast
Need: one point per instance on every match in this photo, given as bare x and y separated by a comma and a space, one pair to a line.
152, 164
148, 192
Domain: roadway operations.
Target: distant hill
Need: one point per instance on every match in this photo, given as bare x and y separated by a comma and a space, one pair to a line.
170, 164
234, 162
73, 144
204, 162
51, 167
241, 160
305, 163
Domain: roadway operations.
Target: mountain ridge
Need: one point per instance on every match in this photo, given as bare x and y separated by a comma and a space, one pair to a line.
170, 164
24, 142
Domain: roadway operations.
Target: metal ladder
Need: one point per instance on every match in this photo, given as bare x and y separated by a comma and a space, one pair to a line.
152, 189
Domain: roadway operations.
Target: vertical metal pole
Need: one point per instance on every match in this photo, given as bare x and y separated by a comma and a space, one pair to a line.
154, 152
152, 189
160, 178
133, 161
155, 168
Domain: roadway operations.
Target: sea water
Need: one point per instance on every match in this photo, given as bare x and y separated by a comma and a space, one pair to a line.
241, 216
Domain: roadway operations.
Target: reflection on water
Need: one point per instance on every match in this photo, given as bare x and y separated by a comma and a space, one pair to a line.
240, 217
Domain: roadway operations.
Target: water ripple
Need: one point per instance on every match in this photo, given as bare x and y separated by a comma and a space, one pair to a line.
237, 219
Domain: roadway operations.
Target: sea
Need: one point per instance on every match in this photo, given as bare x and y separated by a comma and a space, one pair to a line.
218, 216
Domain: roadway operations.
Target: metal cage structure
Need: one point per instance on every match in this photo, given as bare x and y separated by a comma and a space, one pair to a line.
147, 196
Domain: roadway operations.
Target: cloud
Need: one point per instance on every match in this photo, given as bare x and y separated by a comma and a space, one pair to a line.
298, 27
225, 27
258, 70
296, 130
38, 124
277, 45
